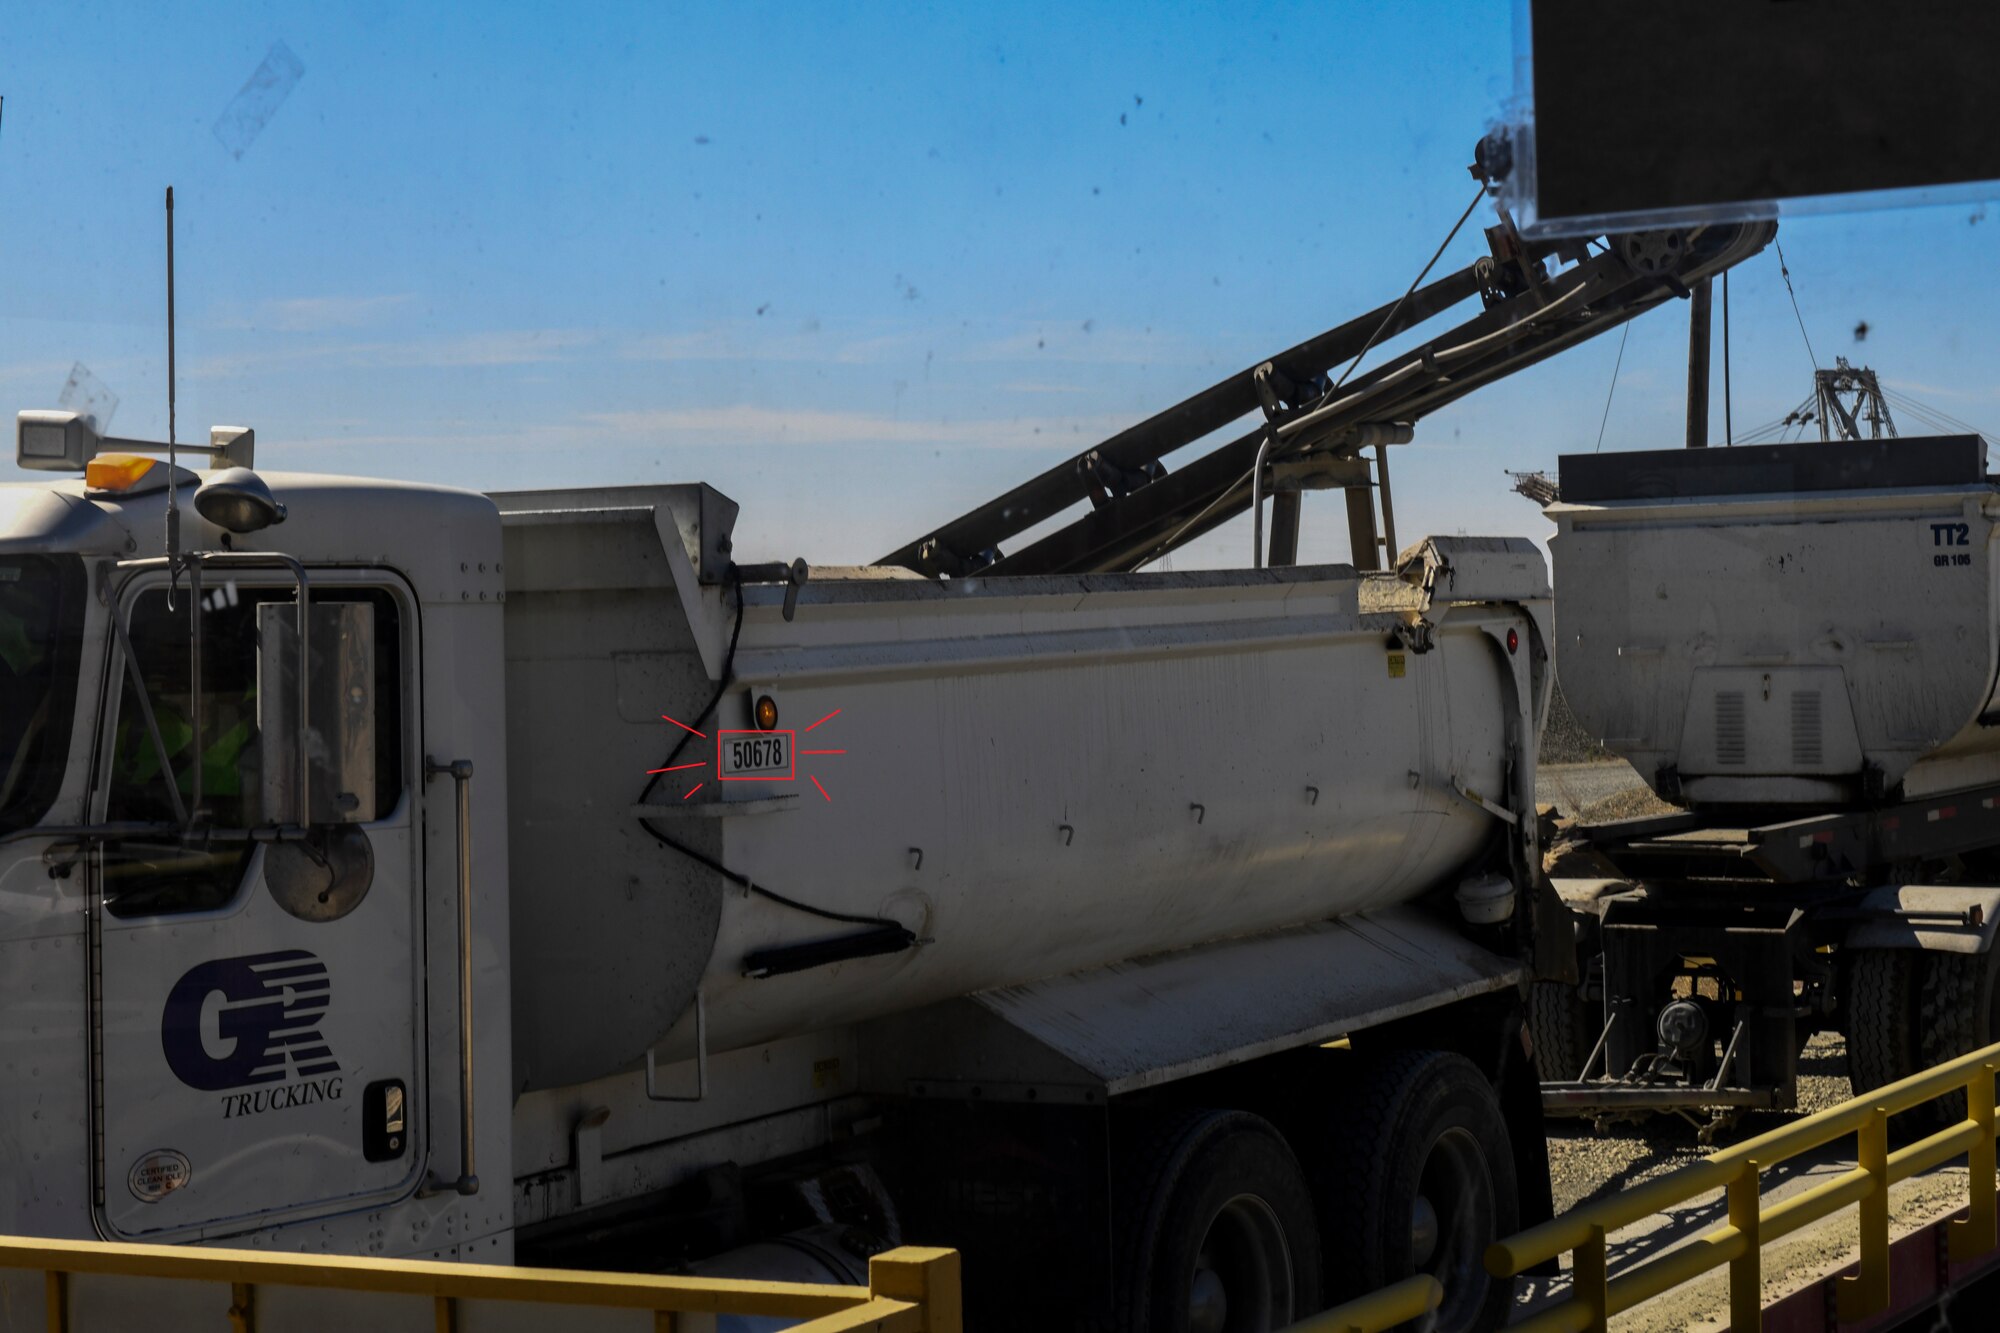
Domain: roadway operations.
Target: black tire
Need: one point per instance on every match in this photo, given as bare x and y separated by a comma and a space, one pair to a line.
1956, 1015
1216, 1232
1420, 1178
1881, 1018
1560, 1021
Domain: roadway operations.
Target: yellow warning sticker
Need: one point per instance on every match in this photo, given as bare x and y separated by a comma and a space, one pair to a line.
1397, 666
826, 1073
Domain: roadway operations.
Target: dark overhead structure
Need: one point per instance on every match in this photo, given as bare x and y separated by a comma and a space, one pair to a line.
1536, 299
1704, 112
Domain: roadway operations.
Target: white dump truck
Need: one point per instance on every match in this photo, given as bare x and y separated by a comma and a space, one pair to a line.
947, 899
400, 870
1799, 645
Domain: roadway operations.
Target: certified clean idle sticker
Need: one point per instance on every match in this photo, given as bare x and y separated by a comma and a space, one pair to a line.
158, 1174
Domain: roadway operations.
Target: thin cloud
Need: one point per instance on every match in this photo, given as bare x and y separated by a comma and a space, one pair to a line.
707, 427
1915, 388
769, 425
312, 314
52, 373
1092, 346
738, 342
501, 348
517, 348
1074, 345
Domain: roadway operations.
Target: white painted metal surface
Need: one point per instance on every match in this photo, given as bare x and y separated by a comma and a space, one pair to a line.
1035, 776
1769, 649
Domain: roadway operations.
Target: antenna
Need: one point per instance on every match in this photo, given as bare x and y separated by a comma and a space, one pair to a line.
173, 483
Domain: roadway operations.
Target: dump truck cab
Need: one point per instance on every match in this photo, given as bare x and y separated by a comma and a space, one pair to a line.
230, 872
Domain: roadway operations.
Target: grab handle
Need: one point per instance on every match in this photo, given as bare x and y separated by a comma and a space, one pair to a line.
460, 771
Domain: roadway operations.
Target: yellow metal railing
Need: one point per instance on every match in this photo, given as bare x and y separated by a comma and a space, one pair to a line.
1595, 1294
910, 1290
1379, 1311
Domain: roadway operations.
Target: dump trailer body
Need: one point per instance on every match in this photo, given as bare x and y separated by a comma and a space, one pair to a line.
1803, 625
966, 785
1797, 643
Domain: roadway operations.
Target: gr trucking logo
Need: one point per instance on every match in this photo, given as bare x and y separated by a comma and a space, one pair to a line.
252, 1021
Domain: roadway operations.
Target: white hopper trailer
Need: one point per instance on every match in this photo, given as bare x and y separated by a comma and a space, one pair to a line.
1800, 644
1158, 939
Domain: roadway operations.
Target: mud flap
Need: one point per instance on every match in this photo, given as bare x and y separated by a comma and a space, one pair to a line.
1555, 935
1520, 1092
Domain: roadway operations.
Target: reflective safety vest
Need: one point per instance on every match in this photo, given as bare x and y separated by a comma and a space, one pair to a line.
221, 758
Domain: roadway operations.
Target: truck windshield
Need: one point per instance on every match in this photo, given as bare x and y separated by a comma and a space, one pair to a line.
41, 631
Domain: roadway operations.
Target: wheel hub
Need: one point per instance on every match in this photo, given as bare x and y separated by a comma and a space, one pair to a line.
1242, 1279
1423, 1230
1208, 1302
1451, 1223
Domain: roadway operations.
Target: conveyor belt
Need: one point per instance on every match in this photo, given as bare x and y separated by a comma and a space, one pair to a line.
1140, 511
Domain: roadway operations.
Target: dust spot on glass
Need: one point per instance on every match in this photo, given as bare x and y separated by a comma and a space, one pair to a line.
259, 99
89, 396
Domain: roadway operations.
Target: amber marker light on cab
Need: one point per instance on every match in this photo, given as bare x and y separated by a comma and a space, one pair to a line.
117, 472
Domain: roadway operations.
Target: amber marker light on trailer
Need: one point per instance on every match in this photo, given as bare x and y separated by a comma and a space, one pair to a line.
766, 713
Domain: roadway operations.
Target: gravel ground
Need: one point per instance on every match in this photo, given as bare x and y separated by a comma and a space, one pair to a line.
1571, 788
1586, 1165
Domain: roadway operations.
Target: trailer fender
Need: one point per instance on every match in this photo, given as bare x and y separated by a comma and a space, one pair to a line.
1148, 1022
1941, 918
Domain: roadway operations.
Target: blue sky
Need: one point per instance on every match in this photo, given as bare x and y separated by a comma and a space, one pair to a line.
858, 266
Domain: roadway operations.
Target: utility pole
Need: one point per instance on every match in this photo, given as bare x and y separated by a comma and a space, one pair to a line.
1698, 325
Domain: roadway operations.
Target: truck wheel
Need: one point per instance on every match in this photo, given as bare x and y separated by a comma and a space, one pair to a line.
1956, 1016
1420, 1178
1559, 1019
1881, 1022
1217, 1232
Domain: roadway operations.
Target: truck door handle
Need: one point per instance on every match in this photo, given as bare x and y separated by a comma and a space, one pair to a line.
460, 772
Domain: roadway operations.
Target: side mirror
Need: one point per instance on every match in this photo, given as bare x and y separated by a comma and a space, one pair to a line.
55, 441
337, 732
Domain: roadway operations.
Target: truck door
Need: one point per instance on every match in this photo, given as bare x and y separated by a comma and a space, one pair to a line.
256, 1002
